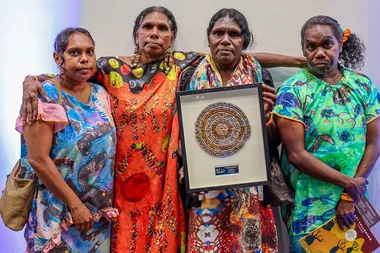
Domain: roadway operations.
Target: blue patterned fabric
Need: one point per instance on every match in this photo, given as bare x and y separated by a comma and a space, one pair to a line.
83, 152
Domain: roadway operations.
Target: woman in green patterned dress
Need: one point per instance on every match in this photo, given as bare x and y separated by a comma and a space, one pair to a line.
328, 119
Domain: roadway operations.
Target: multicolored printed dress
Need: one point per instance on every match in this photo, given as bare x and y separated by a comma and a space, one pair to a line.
335, 118
232, 220
83, 150
146, 185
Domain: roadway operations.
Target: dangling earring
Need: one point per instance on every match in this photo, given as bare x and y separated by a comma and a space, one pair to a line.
168, 61
136, 57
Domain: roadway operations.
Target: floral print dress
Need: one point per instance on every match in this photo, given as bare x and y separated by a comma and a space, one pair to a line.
83, 150
231, 220
335, 119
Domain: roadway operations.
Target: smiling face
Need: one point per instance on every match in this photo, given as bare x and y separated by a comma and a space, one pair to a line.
321, 49
154, 35
226, 42
79, 58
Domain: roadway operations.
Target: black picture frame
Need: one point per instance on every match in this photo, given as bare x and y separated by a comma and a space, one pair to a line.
179, 97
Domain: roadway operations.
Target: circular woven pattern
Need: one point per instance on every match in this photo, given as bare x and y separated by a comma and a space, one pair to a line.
222, 129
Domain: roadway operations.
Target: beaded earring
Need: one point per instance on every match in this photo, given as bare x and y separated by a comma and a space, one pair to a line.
168, 61
136, 57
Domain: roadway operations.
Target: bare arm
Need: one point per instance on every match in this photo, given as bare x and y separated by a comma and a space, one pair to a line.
292, 135
269, 60
39, 137
44, 77
31, 88
372, 150
272, 132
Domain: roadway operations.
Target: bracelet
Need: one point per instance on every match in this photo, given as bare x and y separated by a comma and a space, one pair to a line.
270, 120
346, 197
49, 75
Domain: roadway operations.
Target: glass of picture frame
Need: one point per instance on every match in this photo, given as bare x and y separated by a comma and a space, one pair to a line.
223, 138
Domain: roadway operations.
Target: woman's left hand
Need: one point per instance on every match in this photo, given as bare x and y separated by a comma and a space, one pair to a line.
345, 213
269, 96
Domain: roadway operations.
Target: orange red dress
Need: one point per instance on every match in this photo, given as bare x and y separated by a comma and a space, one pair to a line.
146, 185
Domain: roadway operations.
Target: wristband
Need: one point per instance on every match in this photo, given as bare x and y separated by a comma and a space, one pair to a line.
346, 197
49, 75
270, 120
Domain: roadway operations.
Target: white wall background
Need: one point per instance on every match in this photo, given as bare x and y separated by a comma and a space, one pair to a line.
28, 29
27, 32
275, 24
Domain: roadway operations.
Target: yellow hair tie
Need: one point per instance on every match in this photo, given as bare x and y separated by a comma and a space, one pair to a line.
346, 34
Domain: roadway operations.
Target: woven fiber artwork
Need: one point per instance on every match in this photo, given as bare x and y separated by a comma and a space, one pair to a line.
222, 128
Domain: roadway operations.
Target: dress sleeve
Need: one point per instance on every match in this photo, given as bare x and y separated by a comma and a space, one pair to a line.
372, 105
98, 76
288, 104
185, 59
257, 70
49, 111
108, 72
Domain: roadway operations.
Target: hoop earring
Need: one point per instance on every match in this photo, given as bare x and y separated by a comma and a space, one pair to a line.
136, 57
168, 62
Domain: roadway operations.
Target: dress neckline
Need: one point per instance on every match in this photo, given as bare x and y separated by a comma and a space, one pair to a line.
142, 66
90, 98
341, 82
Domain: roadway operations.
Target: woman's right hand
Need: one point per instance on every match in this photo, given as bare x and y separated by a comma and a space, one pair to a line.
357, 188
82, 218
31, 89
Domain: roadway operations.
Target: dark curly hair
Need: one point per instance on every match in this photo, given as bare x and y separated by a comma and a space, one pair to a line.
163, 10
239, 18
353, 50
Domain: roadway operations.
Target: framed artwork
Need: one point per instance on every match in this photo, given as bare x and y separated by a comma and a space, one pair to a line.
223, 138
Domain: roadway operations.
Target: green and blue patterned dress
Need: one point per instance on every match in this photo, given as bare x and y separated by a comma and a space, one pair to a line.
335, 118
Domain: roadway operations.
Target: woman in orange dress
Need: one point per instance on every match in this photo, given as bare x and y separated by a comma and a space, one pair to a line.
142, 90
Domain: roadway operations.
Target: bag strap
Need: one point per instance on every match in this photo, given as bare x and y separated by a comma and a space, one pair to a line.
58, 87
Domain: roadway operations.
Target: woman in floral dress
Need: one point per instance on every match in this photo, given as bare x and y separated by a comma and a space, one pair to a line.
71, 148
231, 220
328, 119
